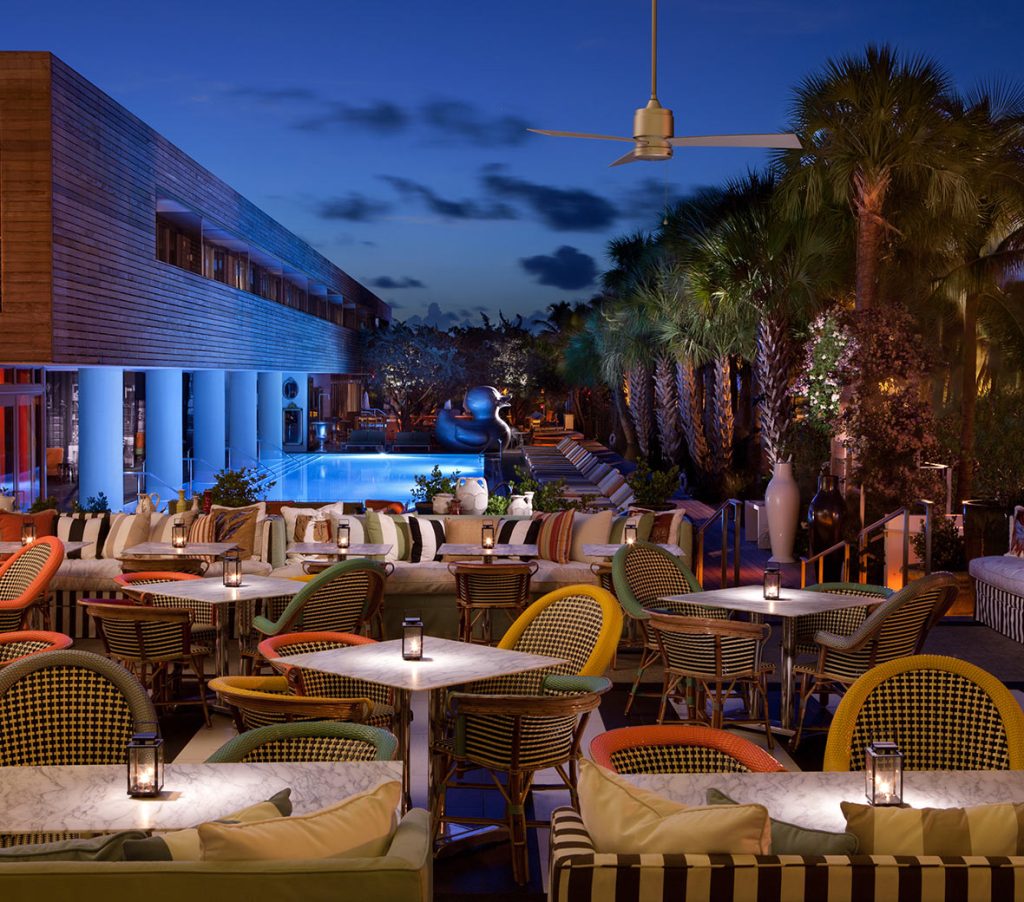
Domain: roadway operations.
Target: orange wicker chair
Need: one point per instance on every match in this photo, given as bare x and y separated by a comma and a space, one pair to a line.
679, 749
25, 579
20, 644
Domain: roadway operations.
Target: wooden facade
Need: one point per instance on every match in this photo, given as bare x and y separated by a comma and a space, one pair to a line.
82, 285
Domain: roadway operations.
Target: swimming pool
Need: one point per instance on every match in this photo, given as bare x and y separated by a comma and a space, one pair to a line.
356, 477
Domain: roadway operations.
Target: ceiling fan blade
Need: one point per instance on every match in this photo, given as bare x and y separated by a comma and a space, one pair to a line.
778, 141
630, 157
542, 131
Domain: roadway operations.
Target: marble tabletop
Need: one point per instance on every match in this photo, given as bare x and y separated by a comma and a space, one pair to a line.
166, 549
496, 551
444, 663
15, 547
332, 550
811, 798
213, 590
93, 797
610, 550
793, 602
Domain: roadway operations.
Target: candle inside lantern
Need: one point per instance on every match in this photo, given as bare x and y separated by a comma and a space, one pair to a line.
179, 534
883, 773
145, 764
412, 638
232, 569
344, 535
629, 534
487, 535
772, 582
28, 532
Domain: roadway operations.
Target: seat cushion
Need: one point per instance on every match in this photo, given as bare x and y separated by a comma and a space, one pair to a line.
84, 576
424, 578
551, 576
1005, 572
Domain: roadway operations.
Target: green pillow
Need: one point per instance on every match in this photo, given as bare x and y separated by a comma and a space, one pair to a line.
644, 525
108, 847
789, 839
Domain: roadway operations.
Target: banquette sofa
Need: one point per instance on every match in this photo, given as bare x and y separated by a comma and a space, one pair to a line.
999, 584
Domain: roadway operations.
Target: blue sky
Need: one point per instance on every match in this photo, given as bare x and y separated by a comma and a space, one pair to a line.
390, 135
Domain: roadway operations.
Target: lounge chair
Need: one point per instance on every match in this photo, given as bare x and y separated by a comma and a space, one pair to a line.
365, 440
411, 441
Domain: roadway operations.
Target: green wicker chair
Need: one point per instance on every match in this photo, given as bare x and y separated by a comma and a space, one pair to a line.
642, 574
24, 580
345, 598
70, 707
841, 622
943, 713
310, 741
894, 629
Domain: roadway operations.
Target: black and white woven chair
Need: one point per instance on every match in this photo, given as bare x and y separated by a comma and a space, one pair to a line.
485, 589
24, 581
308, 741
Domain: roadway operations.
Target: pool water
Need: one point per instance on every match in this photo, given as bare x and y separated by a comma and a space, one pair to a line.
356, 477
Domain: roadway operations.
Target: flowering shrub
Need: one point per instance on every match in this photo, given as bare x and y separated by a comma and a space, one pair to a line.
826, 366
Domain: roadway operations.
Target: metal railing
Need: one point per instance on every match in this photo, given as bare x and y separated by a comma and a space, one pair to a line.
721, 515
819, 560
864, 540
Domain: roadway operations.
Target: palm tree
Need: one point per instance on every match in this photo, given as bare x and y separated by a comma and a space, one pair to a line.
869, 125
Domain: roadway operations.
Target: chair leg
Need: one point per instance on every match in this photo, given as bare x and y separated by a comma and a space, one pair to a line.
197, 667
762, 689
666, 686
805, 692
518, 789
647, 658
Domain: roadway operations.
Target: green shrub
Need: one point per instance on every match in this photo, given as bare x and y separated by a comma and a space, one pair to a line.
94, 504
652, 488
237, 488
43, 504
433, 484
948, 550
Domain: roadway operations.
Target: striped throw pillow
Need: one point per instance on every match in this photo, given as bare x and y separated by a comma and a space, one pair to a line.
389, 529
125, 530
83, 527
983, 830
518, 532
427, 536
554, 541
161, 525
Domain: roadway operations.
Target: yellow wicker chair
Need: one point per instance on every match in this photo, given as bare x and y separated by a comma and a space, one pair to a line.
944, 713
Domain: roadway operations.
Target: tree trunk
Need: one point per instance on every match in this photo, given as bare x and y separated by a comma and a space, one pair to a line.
625, 422
968, 400
638, 385
869, 202
723, 418
691, 418
773, 363
666, 410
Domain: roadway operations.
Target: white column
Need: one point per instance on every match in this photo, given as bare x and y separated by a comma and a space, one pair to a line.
208, 424
242, 417
163, 432
269, 419
101, 434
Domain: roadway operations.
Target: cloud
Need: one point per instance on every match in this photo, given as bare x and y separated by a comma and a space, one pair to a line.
566, 268
380, 117
275, 95
354, 207
434, 317
648, 201
459, 119
561, 209
389, 282
450, 209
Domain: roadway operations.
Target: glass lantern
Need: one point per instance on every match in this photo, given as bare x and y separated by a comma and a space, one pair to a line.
179, 534
412, 639
883, 773
344, 536
145, 765
487, 535
629, 533
772, 582
28, 532
232, 569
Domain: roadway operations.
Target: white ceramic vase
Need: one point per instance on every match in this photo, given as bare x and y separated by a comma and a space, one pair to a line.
519, 506
782, 498
7, 503
529, 504
472, 494
441, 501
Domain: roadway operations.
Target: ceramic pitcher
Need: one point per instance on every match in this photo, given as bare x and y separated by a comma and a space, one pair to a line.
517, 506
147, 503
441, 501
472, 494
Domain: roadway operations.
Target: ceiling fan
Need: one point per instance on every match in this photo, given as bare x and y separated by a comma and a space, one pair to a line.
653, 128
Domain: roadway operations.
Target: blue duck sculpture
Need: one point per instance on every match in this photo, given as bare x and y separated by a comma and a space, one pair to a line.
483, 429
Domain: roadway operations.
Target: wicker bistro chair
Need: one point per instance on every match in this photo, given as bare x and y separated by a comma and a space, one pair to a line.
70, 707
895, 628
642, 574
20, 644
309, 741
204, 614
482, 589
24, 582
249, 637
345, 598
156, 645
841, 622
718, 657
677, 749
944, 713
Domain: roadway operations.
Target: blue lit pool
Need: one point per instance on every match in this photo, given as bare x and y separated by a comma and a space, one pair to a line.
356, 477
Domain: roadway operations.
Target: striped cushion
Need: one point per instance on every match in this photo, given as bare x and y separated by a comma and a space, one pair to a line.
981, 830
203, 529
125, 530
1017, 532
427, 536
554, 542
83, 527
518, 532
161, 525
389, 529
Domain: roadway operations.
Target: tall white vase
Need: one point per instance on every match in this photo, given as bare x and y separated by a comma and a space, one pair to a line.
782, 498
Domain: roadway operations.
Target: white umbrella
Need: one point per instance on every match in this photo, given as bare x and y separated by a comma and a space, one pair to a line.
366, 400
448, 404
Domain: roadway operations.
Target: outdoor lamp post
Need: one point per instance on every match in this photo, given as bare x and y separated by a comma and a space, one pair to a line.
232, 569
772, 582
487, 535
179, 534
629, 533
145, 765
883, 773
412, 639
28, 532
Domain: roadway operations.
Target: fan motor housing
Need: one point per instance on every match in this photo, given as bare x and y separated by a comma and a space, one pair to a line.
653, 126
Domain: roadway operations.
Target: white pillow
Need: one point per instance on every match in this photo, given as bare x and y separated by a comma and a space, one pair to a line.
589, 529
291, 514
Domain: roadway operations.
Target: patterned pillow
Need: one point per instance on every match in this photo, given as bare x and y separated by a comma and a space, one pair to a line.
236, 525
643, 520
665, 528
202, 530
518, 532
83, 527
554, 541
312, 529
1017, 533
427, 536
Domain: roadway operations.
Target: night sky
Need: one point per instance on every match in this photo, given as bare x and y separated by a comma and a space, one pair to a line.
391, 135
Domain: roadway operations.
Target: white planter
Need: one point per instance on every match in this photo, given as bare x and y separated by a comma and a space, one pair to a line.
519, 506
782, 498
472, 494
441, 502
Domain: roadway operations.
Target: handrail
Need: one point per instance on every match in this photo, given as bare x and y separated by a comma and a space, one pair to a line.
819, 558
863, 540
721, 513
927, 505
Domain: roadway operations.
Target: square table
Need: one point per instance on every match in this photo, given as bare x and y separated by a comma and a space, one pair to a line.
330, 549
7, 548
488, 554
444, 664
611, 550
793, 603
212, 590
168, 551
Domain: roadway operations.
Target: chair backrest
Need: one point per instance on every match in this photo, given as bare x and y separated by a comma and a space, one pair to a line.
643, 573
304, 681
679, 749
138, 633
495, 584
708, 645
70, 707
342, 599
308, 741
25, 575
260, 701
202, 611
944, 713
145, 577
22, 643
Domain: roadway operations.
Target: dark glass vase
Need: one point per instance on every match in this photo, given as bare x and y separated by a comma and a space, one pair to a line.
825, 520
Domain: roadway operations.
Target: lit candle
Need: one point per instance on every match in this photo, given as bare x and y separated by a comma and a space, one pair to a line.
232, 569
412, 638
179, 534
344, 535
629, 533
28, 532
772, 582
487, 535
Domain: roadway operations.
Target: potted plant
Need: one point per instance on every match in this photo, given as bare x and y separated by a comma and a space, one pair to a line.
238, 488
652, 488
949, 552
434, 483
